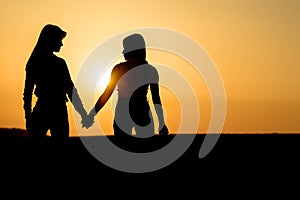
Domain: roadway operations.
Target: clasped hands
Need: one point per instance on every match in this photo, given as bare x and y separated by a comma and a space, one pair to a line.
87, 120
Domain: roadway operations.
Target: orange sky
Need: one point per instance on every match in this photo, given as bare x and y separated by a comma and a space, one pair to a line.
254, 44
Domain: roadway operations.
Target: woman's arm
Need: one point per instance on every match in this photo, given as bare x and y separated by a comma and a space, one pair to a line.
107, 92
72, 91
162, 128
27, 94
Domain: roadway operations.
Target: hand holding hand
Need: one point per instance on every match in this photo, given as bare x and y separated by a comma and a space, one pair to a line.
87, 121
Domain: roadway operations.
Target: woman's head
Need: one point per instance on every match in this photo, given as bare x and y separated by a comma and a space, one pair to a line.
134, 47
50, 38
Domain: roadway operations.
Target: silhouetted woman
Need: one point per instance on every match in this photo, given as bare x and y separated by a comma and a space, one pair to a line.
47, 75
133, 79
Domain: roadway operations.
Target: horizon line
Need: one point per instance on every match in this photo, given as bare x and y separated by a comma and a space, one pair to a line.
22, 130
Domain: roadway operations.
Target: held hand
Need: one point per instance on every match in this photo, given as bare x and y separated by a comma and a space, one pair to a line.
87, 121
164, 130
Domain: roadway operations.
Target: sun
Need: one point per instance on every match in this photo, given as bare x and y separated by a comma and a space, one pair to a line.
103, 81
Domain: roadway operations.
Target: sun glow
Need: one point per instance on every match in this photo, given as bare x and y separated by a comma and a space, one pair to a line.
256, 55
102, 82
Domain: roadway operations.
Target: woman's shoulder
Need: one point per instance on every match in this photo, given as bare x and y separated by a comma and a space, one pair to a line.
120, 66
152, 69
59, 60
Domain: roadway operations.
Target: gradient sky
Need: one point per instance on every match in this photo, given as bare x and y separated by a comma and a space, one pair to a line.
254, 44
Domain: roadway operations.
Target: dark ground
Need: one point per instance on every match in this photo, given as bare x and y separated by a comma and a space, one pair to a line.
236, 160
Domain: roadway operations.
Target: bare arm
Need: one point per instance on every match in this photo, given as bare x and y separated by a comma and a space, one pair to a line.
72, 92
107, 92
27, 94
162, 128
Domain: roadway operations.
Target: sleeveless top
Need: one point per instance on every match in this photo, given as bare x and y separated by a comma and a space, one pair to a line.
136, 76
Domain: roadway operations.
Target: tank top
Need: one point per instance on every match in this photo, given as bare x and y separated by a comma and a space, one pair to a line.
136, 76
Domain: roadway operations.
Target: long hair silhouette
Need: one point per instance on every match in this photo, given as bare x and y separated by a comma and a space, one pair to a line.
47, 75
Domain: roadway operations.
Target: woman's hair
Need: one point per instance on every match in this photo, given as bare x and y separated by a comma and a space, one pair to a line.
50, 34
134, 47
139, 54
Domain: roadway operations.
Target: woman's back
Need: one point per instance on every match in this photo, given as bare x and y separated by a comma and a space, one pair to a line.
135, 79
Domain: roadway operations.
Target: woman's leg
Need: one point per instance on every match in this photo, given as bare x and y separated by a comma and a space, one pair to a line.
59, 123
145, 126
122, 122
142, 117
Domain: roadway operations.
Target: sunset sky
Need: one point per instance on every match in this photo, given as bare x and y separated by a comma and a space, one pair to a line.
255, 46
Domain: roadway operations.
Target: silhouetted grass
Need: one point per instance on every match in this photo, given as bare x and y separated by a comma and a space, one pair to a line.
235, 158
13, 132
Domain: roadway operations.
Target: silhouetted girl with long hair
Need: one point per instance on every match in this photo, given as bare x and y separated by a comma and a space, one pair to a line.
48, 77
